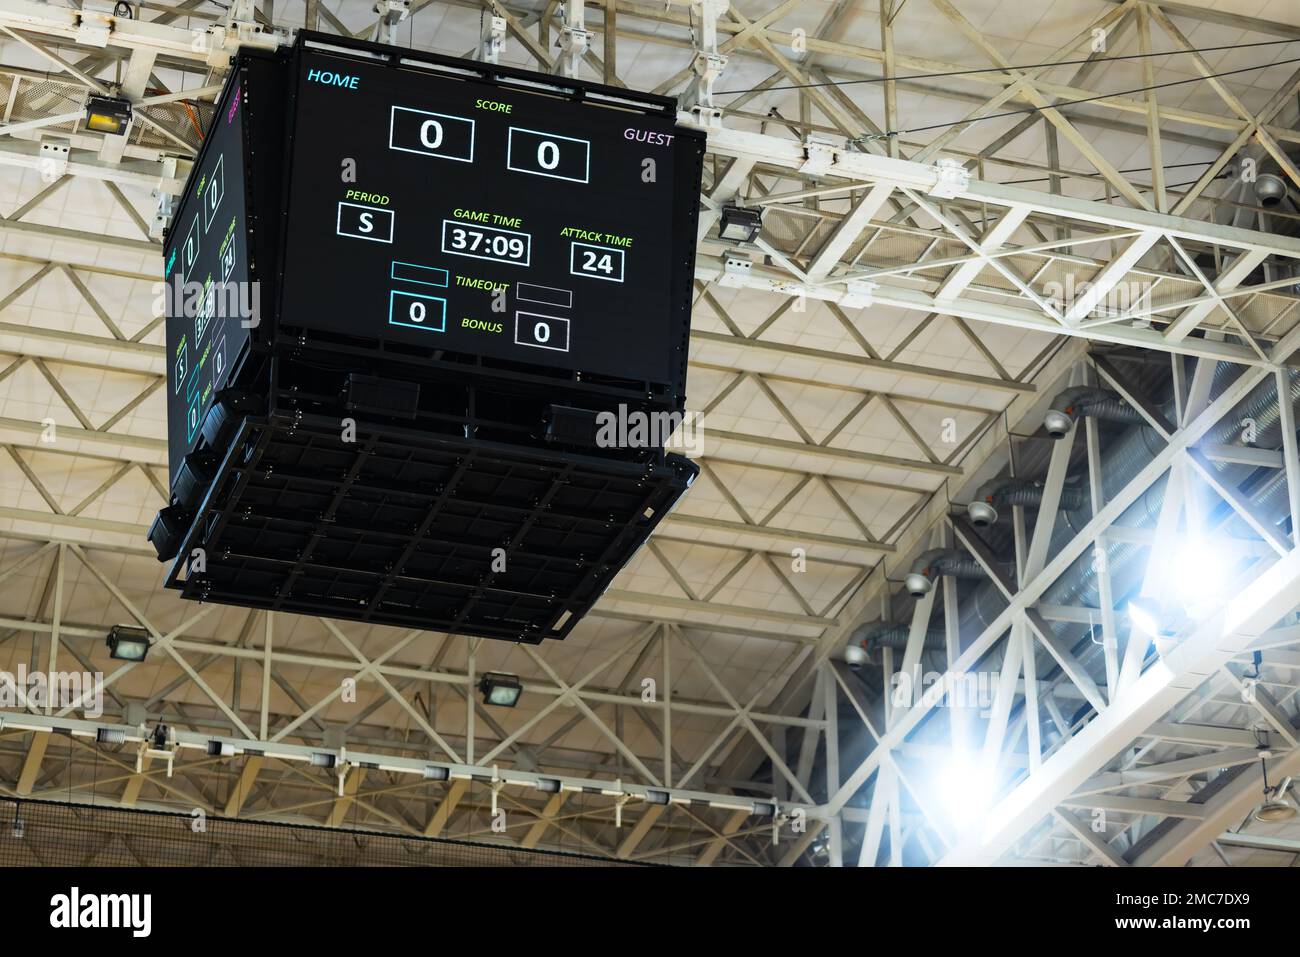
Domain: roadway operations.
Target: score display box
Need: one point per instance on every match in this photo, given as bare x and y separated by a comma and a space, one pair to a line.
356, 221
596, 262
541, 153
503, 246
542, 332
431, 134
417, 311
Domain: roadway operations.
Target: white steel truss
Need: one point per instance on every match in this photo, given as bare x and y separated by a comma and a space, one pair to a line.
857, 216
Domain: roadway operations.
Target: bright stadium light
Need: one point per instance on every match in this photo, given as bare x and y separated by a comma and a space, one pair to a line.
1146, 616
1200, 574
966, 788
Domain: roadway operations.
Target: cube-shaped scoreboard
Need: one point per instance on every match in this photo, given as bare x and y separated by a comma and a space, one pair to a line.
401, 288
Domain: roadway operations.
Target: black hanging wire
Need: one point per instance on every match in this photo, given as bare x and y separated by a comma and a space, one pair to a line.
1030, 110
1005, 69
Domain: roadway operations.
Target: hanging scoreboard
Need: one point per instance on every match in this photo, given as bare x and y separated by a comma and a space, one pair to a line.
403, 289
472, 214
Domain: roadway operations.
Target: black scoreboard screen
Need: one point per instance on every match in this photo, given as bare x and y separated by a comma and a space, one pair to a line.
448, 211
210, 303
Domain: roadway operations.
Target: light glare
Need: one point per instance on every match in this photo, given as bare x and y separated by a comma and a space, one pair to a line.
1144, 616
966, 788
1200, 576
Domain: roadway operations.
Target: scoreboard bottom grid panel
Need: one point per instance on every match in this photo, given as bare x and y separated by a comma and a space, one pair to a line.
396, 529
441, 370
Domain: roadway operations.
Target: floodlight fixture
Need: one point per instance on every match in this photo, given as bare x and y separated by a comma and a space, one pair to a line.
108, 114
128, 644
740, 224
500, 689
1271, 812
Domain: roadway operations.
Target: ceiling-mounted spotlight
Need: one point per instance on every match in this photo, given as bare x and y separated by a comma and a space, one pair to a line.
1274, 811
128, 644
1058, 423
740, 224
1275, 806
982, 512
1270, 189
108, 114
501, 690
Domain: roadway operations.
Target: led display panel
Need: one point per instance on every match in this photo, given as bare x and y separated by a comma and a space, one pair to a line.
442, 209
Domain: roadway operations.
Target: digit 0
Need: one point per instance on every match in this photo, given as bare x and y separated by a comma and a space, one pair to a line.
548, 155
437, 134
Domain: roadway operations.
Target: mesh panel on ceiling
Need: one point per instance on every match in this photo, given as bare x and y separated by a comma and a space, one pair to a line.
53, 834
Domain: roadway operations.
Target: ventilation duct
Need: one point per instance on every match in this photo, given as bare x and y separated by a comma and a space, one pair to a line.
1074, 403
939, 561
983, 509
879, 635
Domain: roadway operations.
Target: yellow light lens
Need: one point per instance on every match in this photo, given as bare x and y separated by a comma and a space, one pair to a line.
104, 123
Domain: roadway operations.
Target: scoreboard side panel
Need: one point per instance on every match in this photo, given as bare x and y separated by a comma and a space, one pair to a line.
207, 294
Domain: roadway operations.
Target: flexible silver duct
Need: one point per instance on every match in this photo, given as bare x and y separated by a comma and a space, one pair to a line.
884, 635
931, 564
983, 509
1072, 404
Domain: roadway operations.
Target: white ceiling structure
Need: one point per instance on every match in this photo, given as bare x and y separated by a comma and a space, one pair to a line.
893, 340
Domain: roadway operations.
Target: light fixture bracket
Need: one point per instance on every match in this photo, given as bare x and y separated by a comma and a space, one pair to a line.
951, 179
859, 294
735, 271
